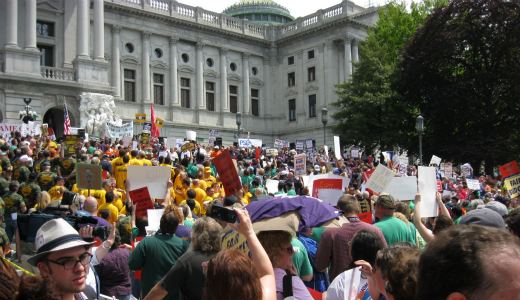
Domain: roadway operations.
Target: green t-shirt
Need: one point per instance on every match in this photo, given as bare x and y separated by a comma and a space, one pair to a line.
396, 231
30, 192
301, 259
13, 202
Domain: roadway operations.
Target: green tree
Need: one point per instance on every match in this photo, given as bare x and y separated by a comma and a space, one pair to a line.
462, 70
370, 113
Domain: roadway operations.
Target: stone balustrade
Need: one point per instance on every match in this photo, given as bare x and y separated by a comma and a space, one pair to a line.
57, 73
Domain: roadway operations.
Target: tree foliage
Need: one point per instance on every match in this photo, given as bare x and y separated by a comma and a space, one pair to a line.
462, 70
370, 112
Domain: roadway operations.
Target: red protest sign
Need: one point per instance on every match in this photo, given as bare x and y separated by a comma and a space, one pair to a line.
227, 173
439, 186
509, 169
141, 198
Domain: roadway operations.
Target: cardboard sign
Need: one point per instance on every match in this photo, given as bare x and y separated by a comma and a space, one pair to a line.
88, 176
473, 184
154, 219
279, 144
70, 144
427, 184
154, 178
188, 146
228, 175
271, 186
142, 198
512, 185
380, 179
402, 188
234, 240
435, 161
140, 118
327, 187
337, 148
119, 131
354, 153
509, 169
299, 145
271, 152
249, 143
300, 164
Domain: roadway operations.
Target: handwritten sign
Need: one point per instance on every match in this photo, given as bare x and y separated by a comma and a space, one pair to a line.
88, 176
300, 164
228, 175
141, 198
435, 161
512, 185
380, 179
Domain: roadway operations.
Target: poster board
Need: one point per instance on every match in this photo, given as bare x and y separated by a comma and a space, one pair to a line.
271, 185
154, 178
300, 164
299, 145
88, 176
227, 174
512, 185
380, 179
141, 198
154, 219
402, 188
249, 143
272, 152
279, 144
473, 184
70, 144
337, 148
191, 135
435, 160
327, 187
427, 187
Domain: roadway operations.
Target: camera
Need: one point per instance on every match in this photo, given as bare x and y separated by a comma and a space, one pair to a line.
223, 214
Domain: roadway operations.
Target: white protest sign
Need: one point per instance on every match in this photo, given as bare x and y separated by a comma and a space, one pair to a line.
337, 148
466, 170
305, 179
309, 144
299, 145
171, 142
119, 131
403, 165
473, 184
271, 186
179, 143
126, 141
402, 188
354, 153
154, 219
327, 187
279, 144
191, 135
213, 134
448, 170
380, 179
154, 178
427, 186
271, 152
435, 161
300, 164
249, 143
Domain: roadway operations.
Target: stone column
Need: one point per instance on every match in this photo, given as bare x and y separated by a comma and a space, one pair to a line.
174, 82
300, 80
99, 30
224, 97
30, 24
12, 23
83, 28
246, 89
201, 100
146, 67
348, 59
355, 51
116, 63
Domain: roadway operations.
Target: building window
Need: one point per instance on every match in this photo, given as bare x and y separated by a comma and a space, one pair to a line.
254, 102
312, 106
254, 70
45, 29
129, 85
292, 110
310, 54
185, 57
311, 74
158, 52
185, 92
47, 55
290, 60
158, 89
129, 47
291, 79
233, 99
233, 67
210, 95
209, 62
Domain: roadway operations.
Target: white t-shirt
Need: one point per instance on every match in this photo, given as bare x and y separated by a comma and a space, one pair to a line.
349, 285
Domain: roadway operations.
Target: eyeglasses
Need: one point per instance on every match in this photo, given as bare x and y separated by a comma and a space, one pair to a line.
70, 263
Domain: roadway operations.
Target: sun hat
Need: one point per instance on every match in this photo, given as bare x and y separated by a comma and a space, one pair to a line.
55, 235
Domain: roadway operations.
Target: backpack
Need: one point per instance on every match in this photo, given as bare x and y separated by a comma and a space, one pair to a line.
287, 292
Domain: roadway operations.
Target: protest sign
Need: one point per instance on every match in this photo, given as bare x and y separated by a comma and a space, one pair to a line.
466, 170
30, 129
179, 142
171, 142
403, 166
512, 185
88, 176
228, 175
147, 127
191, 135
6, 129
279, 144
70, 144
509, 169
141, 198
299, 145
188, 146
213, 134
159, 122
271, 186
127, 140
435, 160
145, 138
309, 144
249, 143
327, 187
300, 164
234, 240
337, 148
154, 219
473, 184
119, 131
427, 186
380, 179
402, 188
140, 118
271, 152
134, 145
155, 178
448, 170
354, 153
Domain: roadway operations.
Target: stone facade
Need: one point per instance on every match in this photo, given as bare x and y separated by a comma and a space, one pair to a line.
144, 51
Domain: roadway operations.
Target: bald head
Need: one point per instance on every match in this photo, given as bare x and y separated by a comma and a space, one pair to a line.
91, 205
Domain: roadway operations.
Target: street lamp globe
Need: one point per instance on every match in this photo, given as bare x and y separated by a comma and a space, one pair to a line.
324, 112
238, 119
419, 124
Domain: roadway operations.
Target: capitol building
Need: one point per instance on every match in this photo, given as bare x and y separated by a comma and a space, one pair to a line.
199, 68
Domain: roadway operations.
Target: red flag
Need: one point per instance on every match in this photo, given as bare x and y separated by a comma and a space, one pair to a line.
155, 129
509, 169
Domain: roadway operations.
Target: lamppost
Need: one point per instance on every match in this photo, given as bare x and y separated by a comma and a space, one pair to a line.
28, 114
238, 122
324, 112
419, 127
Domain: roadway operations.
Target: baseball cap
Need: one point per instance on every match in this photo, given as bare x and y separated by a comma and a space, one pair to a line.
498, 207
485, 217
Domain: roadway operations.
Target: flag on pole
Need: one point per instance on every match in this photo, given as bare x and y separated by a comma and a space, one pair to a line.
155, 129
66, 123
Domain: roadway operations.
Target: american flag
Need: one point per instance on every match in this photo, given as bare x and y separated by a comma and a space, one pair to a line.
66, 123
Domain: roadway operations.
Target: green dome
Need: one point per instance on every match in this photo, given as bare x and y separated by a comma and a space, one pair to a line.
260, 11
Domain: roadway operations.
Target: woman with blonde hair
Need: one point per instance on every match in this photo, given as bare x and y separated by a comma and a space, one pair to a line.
44, 199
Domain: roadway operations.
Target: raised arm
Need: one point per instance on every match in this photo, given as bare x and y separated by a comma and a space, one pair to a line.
426, 234
443, 210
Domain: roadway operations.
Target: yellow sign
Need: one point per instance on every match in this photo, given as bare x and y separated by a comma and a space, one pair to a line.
140, 118
159, 122
512, 185
145, 138
234, 240
70, 144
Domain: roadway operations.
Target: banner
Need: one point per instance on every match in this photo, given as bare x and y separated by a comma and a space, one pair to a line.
512, 185
402, 188
6, 129
88, 176
249, 143
70, 144
300, 164
380, 179
118, 132
509, 169
154, 178
337, 148
427, 186
142, 198
228, 175
279, 144
328, 187
140, 118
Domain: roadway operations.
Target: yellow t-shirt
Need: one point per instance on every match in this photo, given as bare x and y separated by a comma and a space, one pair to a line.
98, 194
56, 192
116, 162
114, 212
135, 162
121, 175
197, 210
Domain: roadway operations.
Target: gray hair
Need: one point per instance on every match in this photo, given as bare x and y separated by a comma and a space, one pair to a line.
206, 235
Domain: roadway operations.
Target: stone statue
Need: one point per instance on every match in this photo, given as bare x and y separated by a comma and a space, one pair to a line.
96, 110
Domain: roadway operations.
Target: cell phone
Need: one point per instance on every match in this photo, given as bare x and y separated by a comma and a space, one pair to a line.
223, 214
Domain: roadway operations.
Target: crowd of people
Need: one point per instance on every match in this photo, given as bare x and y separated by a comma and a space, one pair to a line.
59, 240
